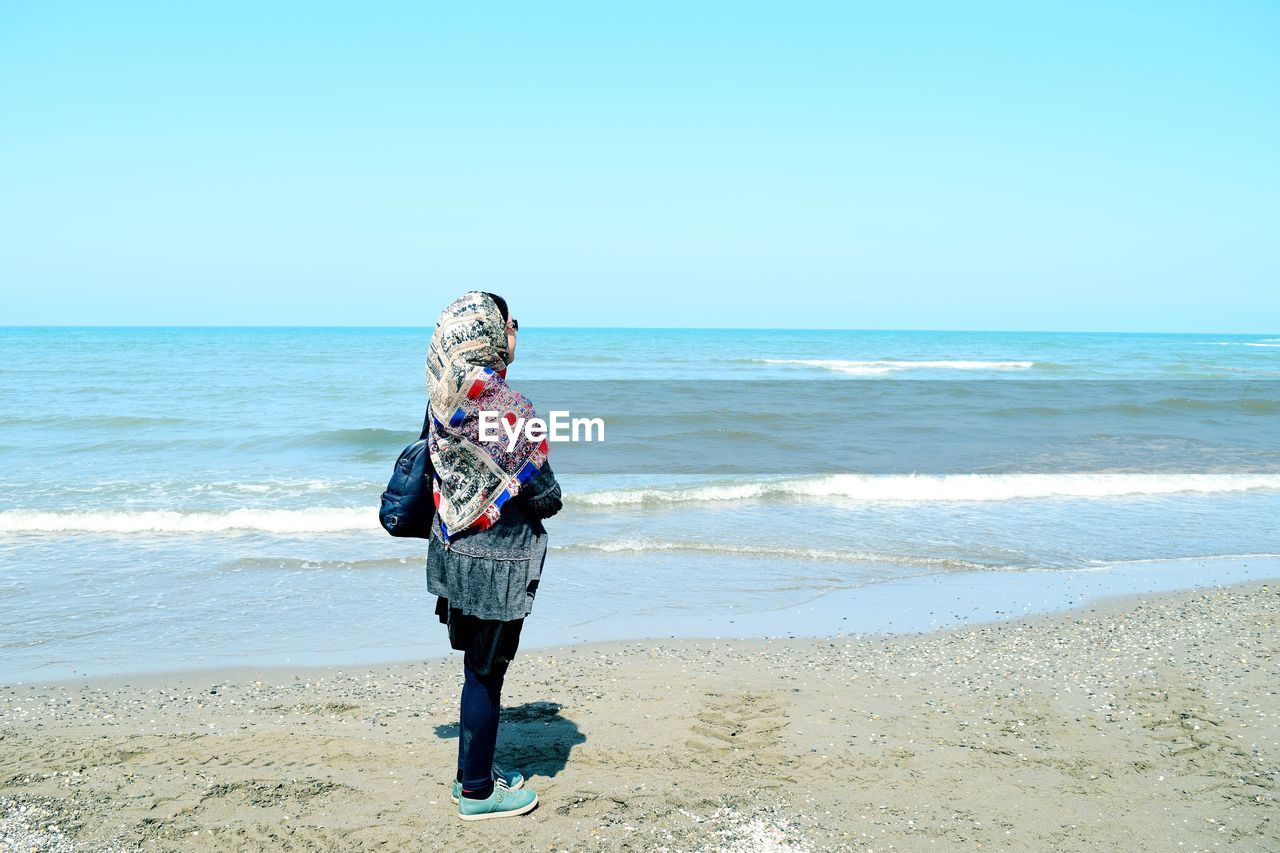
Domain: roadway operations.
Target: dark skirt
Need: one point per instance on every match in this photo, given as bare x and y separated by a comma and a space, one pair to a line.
488, 644
493, 573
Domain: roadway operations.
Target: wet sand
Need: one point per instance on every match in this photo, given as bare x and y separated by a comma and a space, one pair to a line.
1141, 723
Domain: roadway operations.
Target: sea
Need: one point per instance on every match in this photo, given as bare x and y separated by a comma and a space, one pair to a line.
188, 498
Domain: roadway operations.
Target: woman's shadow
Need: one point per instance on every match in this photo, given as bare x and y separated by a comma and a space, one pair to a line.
532, 738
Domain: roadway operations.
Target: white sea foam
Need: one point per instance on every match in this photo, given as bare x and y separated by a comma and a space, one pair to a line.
1203, 558
952, 487
1265, 342
244, 520
910, 488
886, 366
641, 546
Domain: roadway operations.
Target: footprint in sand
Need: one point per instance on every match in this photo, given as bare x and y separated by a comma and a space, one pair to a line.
738, 723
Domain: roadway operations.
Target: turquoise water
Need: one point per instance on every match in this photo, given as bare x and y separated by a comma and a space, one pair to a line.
192, 497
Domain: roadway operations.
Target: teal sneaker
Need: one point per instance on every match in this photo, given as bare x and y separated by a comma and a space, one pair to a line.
512, 779
503, 802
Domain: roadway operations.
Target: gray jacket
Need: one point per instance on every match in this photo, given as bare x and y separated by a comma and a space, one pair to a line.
494, 573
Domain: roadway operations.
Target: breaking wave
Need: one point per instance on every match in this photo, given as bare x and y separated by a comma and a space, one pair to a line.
243, 520
883, 367
950, 487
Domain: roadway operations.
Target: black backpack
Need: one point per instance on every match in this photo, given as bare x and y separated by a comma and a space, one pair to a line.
408, 508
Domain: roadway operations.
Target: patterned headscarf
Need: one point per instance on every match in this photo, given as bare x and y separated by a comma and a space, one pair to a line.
465, 363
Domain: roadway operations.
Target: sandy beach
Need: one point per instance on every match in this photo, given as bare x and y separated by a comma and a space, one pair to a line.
1143, 723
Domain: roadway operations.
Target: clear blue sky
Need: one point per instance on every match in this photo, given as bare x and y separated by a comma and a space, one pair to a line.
1111, 166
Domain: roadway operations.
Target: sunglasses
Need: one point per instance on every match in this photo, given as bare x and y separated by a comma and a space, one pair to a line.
513, 324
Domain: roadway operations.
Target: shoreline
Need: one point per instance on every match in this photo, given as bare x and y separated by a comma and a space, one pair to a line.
902, 607
1124, 723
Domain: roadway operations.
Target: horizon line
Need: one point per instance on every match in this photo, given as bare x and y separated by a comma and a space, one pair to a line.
299, 326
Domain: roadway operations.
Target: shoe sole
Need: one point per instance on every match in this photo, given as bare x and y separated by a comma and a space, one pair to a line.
512, 813
513, 787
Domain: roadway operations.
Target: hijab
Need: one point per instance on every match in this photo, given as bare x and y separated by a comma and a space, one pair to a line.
465, 372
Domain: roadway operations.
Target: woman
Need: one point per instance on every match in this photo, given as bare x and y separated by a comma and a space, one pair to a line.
487, 541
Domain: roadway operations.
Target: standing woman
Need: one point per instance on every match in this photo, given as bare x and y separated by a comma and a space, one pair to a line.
487, 541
